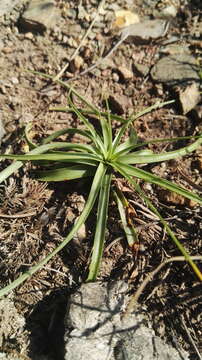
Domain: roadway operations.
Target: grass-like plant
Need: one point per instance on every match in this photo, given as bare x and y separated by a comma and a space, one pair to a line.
101, 157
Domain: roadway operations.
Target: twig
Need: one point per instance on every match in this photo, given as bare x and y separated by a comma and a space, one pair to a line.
81, 43
18, 215
134, 299
189, 181
190, 338
100, 61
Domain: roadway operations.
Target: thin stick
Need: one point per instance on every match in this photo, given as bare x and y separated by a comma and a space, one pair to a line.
18, 215
81, 43
134, 299
100, 61
191, 339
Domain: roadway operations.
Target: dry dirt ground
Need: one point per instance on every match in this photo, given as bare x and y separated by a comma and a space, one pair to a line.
173, 298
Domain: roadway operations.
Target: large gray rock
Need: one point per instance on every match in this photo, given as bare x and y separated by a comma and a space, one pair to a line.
40, 15
176, 69
11, 325
96, 328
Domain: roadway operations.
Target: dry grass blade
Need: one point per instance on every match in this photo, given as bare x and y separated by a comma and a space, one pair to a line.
134, 299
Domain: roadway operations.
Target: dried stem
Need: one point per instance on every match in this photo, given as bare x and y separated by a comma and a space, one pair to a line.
134, 299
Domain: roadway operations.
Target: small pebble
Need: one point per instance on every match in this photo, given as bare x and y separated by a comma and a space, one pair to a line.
7, 50
14, 81
115, 77
29, 36
170, 11
125, 73
141, 69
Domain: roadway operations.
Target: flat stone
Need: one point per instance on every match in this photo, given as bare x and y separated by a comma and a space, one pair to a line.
175, 69
145, 30
11, 322
96, 327
40, 15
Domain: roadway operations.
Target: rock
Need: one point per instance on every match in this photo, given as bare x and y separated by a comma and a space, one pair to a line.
145, 30
40, 15
189, 97
118, 103
126, 74
11, 322
106, 63
29, 36
81, 233
115, 77
175, 69
76, 64
6, 6
175, 49
141, 69
169, 11
14, 80
96, 328
7, 50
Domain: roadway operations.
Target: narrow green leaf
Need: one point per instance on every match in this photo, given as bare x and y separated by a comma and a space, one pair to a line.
28, 127
4, 174
70, 157
89, 112
125, 173
151, 178
70, 131
95, 188
107, 132
97, 140
134, 158
127, 145
129, 229
100, 227
133, 118
67, 173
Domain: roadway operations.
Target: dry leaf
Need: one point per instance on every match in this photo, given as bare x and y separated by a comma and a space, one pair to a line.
176, 199
125, 18
171, 197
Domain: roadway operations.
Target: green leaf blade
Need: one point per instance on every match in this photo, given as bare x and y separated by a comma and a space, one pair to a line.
100, 227
167, 227
154, 179
95, 188
67, 173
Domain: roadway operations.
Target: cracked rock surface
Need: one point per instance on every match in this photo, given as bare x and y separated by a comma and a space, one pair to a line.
97, 328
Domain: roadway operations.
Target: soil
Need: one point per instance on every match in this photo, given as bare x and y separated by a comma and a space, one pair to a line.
173, 298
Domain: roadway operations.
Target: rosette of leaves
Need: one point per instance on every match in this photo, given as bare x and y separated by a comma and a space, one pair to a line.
101, 158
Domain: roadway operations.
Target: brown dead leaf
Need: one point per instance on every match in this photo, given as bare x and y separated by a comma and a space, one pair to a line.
175, 199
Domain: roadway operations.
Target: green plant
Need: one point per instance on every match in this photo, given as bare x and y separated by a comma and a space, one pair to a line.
101, 157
